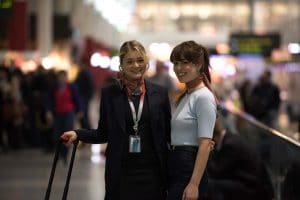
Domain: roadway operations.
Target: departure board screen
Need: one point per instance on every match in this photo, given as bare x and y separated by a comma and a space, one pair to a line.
254, 44
6, 4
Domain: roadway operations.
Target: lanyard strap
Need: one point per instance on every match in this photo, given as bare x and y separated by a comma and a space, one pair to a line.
137, 116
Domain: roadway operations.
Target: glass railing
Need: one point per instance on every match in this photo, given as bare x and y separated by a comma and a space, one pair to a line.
280, 153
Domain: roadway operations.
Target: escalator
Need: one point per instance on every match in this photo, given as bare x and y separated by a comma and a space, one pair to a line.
279, 153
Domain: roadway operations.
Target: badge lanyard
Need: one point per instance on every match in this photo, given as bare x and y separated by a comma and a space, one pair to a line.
137, 116
135, 140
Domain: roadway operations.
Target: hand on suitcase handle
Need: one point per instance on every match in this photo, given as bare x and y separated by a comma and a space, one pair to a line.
69, 137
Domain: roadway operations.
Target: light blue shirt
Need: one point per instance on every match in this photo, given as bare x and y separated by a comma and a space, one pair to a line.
194, 118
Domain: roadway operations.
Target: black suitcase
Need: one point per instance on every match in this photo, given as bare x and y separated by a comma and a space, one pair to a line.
66, 189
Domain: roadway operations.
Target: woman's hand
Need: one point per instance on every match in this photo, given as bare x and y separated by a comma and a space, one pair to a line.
190, 192
69, 137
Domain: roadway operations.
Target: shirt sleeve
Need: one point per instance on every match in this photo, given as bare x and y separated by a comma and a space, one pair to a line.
205, 107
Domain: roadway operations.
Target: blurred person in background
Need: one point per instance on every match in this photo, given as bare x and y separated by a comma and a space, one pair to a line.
12, 109
236, 170
85, 85
18, 109
245, 94
135, 123
39, 127
4, 108
162, 77
264, 106
63, 104
265, 100
290, 186
192, 123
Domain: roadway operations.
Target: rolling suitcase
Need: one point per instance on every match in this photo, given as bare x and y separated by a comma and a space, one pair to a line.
66, 189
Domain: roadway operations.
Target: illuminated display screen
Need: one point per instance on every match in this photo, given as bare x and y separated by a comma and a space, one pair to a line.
254, 44
6, 4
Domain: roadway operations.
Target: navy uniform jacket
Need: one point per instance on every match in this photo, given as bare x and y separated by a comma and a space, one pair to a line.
111, 129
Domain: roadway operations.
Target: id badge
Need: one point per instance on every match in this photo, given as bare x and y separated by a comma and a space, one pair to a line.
134, 144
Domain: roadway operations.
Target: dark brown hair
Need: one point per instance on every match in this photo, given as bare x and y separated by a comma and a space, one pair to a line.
194, 53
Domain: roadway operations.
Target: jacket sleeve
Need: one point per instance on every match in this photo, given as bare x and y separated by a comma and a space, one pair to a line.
167, 117
99, 135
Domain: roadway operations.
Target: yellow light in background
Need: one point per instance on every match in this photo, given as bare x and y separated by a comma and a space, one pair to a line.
174, 12
242, 10
99, 60
280, 55
57, 60
222, 48
94, 61
28, 66
223, 66
204, 11
47, 63
208, 29
146, 13
294, 48
279, 9
73, 72
188, 10
160, 51
115, 63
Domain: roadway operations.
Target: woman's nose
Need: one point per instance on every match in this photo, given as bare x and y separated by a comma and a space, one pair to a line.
135, 64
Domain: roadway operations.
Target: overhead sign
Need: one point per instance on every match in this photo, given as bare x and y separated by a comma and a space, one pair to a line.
254, 44
6, 4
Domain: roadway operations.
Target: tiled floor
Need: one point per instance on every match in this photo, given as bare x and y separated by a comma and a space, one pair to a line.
25, 174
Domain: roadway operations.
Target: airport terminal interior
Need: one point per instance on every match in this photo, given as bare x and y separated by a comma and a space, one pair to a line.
248, 42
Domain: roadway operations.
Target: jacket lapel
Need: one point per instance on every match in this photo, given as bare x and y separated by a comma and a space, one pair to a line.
152, 97
119, 101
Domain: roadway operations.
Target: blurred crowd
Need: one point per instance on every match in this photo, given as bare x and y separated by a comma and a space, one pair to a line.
29, 110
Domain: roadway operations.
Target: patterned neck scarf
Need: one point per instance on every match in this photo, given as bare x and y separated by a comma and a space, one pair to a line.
133, 87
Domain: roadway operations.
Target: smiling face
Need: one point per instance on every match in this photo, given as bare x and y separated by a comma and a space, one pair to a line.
186, 71
190, 60
134, 65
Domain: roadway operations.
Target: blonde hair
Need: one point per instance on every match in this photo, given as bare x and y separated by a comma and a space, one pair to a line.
132, 45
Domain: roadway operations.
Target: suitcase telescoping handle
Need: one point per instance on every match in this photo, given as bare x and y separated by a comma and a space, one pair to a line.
66, 189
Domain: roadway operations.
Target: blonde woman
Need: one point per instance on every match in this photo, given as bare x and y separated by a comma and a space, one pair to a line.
135, 122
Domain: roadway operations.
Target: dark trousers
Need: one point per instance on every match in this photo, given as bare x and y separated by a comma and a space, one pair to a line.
141, 179
181, 165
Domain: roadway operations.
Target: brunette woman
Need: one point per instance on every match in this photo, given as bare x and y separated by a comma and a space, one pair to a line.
192, 123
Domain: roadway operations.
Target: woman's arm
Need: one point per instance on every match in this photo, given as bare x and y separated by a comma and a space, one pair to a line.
205, 110
95, 136
191, 191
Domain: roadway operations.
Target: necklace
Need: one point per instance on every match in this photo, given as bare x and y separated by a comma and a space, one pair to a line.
191, 90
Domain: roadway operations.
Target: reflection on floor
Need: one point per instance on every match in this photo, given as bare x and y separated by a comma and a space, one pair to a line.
24, 174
